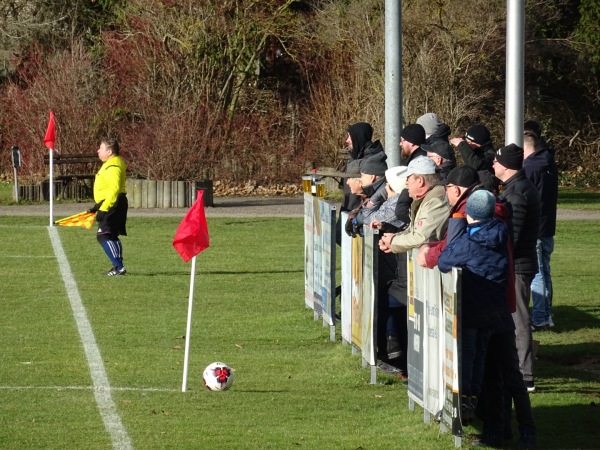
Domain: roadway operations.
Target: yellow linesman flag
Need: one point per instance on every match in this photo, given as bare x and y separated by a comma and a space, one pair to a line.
84, 219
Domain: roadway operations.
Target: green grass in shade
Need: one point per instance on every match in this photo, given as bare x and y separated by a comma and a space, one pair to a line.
578, 199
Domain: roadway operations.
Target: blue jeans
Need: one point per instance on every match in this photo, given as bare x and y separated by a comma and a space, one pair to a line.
541, 286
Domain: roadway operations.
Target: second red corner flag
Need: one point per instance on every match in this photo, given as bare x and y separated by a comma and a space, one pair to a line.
192, 234
50, 137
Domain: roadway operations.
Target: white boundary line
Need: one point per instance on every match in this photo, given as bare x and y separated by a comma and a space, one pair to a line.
108, 410
83, 388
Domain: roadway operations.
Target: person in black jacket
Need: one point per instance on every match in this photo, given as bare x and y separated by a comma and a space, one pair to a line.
541, 169
524, 206
360, 147
476, 147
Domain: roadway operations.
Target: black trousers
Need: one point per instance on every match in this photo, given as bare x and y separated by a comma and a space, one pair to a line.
503, 384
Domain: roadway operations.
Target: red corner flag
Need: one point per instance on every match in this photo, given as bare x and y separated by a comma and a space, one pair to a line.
192, 234
50, 137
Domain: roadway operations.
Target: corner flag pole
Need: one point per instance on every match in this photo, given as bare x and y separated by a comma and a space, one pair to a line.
51, 186
49, 141
188, 329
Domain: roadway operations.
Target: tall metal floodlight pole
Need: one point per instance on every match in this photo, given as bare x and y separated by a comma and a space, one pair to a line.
393, 80
515, 68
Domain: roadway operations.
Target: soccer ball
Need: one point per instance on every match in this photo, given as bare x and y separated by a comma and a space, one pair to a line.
217, 376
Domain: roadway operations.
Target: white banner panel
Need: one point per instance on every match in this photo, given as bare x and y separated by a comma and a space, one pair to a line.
308, 252
369, 297
328, 281
317, 259
346, 295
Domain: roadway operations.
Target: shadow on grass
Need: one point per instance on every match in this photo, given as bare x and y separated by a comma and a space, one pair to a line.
567, 198
564, 427
178, 273
572, 318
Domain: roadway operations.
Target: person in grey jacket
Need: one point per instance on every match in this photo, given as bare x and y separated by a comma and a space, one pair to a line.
524, 207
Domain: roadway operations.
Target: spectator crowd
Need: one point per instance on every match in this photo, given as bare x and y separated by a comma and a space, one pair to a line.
462, 202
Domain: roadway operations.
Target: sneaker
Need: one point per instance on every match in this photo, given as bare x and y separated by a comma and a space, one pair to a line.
115, 272
550, 322
388, 368
530, 386
542, 327
394, 350
467, 411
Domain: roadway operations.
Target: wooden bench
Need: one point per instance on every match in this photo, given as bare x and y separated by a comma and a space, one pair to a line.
75, 172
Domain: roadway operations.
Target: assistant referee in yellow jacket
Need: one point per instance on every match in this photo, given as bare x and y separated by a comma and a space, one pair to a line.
111, 204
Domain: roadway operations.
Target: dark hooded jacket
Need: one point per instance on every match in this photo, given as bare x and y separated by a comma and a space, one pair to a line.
361, 134
481, 158
441, 134
542, 171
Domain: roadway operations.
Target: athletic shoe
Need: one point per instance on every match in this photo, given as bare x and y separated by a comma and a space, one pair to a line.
116, 272
394, 349
542, 327
467, 411
550, 322
388, 368
530, 386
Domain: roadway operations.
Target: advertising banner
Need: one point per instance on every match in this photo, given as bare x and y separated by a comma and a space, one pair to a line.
347, 282
451, 420
416, 327
308, 251
357, 290
328, 281
317, 259
369, 297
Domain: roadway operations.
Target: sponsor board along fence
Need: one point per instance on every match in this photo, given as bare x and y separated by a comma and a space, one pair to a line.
432, 316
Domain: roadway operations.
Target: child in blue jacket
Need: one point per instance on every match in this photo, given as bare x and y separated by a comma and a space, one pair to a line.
478, 244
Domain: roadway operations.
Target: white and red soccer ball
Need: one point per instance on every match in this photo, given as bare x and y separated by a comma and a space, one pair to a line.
217, 376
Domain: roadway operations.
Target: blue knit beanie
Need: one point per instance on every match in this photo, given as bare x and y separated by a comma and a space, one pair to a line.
481, 205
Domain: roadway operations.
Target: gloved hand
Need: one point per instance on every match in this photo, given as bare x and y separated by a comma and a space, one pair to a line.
357, 228
353, 228
94, 208
100, 215
349, 228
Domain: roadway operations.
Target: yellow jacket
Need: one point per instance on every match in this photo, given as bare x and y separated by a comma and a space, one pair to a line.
110, 182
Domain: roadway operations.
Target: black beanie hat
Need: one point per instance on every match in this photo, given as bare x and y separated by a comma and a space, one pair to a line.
463, 176
510, 156
478, 133
374, 165
415, 134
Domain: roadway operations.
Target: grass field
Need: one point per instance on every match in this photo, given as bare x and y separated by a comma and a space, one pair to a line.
294, 388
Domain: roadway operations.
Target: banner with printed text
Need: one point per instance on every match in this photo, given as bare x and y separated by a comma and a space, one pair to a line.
308, 251
347, 283
451, 419
328, 246
357, 291
317, 259
369, 296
